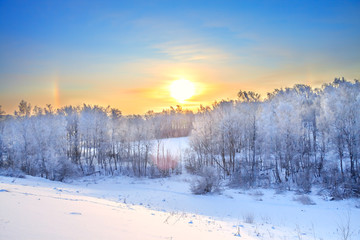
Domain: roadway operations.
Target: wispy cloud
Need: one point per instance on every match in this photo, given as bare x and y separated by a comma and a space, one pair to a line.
191, 52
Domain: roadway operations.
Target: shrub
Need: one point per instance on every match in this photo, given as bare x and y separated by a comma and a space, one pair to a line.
208, 181
249, 218
304, 199
64, 169
256, 193
12, 172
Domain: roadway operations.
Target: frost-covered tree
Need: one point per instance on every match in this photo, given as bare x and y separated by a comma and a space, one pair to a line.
203, 142
71, 115
340, 110
2, 125
293, 138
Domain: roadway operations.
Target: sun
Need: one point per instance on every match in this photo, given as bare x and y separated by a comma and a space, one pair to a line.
182, 90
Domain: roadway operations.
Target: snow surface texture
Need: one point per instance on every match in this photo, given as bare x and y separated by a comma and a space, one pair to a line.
127, 208
99, 207
38, 209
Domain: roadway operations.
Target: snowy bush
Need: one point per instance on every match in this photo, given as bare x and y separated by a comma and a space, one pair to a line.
345, 190
64, 169
242, 178
11, 172
208, 181
304, 199
249, 218
256, 193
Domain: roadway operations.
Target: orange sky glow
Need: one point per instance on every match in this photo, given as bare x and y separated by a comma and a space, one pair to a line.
126, 54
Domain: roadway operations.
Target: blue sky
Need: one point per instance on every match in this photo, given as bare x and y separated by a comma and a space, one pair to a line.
126, 53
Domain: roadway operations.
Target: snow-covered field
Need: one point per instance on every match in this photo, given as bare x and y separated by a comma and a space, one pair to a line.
127, 208
120, 207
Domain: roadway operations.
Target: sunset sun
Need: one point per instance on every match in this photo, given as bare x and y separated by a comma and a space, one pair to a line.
182, 90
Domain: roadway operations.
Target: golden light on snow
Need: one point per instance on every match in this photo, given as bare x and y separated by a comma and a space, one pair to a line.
182, 90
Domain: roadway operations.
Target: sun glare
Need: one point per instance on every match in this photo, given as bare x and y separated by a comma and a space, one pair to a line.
182, 90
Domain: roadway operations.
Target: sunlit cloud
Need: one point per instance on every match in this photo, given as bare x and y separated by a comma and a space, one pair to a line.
191, 52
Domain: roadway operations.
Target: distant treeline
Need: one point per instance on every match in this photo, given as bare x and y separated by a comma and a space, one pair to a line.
82, 140
293, 138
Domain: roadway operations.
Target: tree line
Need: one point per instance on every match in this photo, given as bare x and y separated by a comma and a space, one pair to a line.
292, 138
83, 140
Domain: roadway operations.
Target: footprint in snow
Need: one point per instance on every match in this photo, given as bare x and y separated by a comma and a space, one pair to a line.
75, 213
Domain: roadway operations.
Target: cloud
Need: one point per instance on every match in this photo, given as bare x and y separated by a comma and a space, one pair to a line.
192, 52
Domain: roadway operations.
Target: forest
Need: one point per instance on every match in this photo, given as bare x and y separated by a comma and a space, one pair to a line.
292, 139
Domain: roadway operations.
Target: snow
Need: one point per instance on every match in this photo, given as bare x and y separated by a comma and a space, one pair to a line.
103, 207
37, 209
129, 208
175, 145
